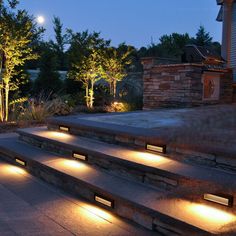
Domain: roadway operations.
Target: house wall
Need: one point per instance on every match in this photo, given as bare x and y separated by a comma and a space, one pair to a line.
233, 42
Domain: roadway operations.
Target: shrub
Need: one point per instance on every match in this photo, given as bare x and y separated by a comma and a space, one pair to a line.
118, 107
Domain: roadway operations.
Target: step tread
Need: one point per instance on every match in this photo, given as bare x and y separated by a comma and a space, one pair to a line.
155, 200
144, 160
84, 123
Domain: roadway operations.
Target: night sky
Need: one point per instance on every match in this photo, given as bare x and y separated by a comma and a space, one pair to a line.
135, 22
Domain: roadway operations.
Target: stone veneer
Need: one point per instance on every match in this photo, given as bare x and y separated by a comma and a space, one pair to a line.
182, 85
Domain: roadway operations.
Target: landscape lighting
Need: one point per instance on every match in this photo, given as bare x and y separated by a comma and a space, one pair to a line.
156, 148
64, 128
79, 156
104, 201
21, 162
226, 200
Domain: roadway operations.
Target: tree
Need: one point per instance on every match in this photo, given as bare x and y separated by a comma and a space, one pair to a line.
89, 72
60, 42
84, 56
48, 80
114, 65
203, 38
172, 46
17, 31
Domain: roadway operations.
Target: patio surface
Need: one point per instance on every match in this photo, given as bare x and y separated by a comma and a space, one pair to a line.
212, 123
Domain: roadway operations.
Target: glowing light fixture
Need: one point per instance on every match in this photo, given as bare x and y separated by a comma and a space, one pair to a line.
156, 148
64, 128
21, 162
104, 201
79, 156
223, 199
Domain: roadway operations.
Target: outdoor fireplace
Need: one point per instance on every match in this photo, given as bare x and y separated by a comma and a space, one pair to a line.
201, 79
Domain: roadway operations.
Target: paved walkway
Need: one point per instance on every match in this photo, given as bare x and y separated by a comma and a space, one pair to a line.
29, 206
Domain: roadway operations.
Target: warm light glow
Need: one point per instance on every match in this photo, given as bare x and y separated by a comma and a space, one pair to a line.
55, 134
12, 169
149, 158
98, 212
73, 164
211, 214
40, 20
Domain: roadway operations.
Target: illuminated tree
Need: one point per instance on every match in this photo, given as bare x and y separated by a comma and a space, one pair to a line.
114, 67
89, 72
85, 57
17, 31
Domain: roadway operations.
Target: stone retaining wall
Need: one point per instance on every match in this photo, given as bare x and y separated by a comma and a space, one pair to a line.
184, 85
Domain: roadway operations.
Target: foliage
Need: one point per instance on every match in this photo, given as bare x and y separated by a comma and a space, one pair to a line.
114, 64
40, 108
48, 79
118, 107
59, 107
59, 44
17, 31
85, 56
203, 38
172, 45
89, 72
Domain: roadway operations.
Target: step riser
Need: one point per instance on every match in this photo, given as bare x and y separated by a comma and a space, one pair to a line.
211, 160
152, 178
144, 217
109, 137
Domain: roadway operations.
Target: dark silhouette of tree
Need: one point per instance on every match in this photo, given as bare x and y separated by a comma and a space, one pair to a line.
48, 80
203, 38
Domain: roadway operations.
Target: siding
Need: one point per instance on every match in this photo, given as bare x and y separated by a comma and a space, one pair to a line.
233, 46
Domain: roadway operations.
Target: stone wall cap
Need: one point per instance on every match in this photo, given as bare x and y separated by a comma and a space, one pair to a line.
182, 65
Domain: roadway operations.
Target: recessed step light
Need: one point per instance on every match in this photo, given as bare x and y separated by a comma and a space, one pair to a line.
222, 199
64, 128
104, 201
156, 148
79, 156
20, 161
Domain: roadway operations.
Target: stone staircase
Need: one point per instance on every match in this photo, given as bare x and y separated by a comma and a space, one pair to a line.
110, 166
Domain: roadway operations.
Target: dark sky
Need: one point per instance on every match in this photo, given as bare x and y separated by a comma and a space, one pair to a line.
135, 22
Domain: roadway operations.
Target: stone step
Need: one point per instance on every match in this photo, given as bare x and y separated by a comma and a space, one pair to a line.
107, 132
150, 169
154, 209
205, 154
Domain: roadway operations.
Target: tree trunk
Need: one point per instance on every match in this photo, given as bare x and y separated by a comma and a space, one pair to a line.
1, 105
91, 95
6, 101
87, 95
1, 91
114, 89
111, 88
